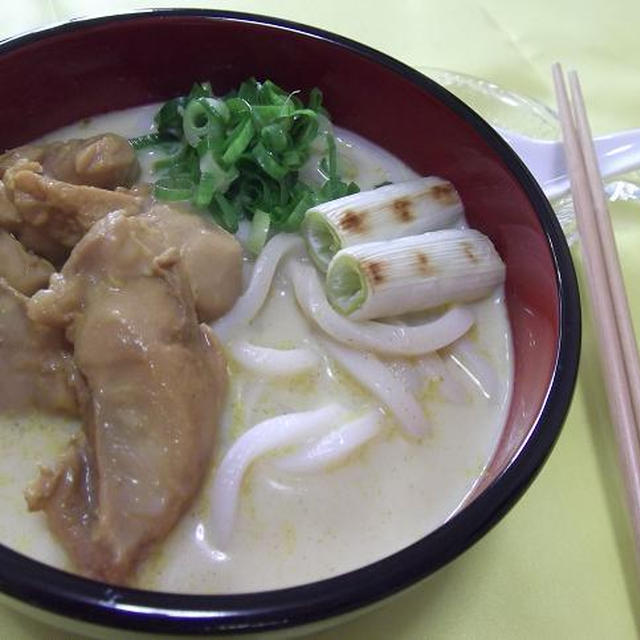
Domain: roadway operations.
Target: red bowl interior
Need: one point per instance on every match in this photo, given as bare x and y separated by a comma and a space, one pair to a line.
104, 66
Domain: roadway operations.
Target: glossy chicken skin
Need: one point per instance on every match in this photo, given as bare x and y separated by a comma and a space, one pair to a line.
49, 216
51, 193
212, 258
107, 160
36, 368
155, 381
23, 270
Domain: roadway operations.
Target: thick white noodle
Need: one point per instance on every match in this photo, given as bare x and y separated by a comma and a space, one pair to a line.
432, 367
334, 447
266, 361
476, 367
406, 373
372, 374
250, 302
371, 335
282, 431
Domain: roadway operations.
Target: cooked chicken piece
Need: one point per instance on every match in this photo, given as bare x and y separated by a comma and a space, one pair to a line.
49, 213
212, 258
107, 161
36, 368
49, 216
24, 271
9, 216
155, 382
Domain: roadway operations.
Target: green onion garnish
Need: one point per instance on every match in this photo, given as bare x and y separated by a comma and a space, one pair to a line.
259, 232
173, 189
238, 156
148, 140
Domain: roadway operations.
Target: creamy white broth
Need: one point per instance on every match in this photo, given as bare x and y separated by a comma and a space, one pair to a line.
290, 528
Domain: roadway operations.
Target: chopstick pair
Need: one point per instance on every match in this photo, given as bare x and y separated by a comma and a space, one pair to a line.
610, 308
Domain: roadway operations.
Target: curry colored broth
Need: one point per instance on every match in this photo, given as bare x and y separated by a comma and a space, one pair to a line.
292, 529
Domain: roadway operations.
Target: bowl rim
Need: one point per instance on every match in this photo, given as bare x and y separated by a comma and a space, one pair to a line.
62, 593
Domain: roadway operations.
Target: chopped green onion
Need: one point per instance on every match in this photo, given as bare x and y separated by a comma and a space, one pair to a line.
221, 178
225, 212
268, 162
148, 140
293, 222
195, 123
332, 159
306, 126
172, 190
259, 232
315, 99
292, 159
171, 160
266, 114
218, 107
168, 120
238, 156
248, 91
238, 107
204, 190
274, 137
238, 142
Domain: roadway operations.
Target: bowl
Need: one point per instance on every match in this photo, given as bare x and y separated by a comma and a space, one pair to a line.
57, 76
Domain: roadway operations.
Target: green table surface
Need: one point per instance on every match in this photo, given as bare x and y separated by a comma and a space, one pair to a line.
560, 564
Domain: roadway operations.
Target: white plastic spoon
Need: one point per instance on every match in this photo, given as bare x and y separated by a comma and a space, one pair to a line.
617, 153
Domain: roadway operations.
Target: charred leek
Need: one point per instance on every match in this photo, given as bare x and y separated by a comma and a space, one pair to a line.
381, 279
393, 211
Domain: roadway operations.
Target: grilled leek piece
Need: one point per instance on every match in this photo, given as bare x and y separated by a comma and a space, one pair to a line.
382, 279
392, 211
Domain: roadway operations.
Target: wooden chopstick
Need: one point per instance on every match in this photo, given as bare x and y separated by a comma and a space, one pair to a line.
609, 250
610, 309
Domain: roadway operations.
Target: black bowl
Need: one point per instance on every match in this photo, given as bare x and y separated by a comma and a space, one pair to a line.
59, 75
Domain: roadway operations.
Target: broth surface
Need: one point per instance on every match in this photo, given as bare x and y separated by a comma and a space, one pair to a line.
293, 529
